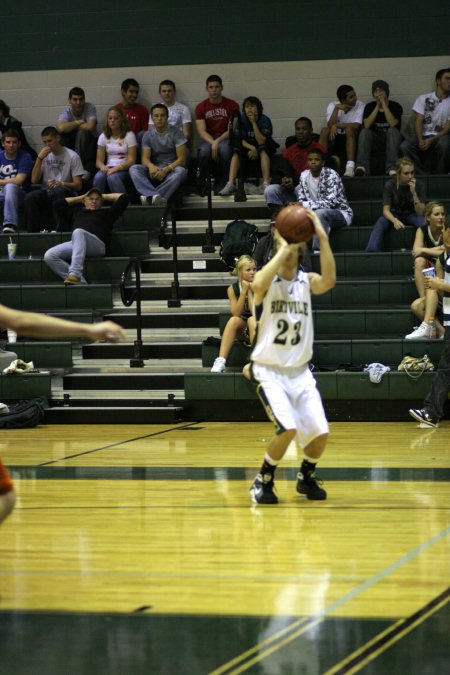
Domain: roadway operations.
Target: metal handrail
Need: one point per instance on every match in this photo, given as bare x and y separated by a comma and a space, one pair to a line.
134, 294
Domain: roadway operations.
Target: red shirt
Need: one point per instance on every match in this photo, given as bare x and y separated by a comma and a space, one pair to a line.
216, 115
298, 156
137, 116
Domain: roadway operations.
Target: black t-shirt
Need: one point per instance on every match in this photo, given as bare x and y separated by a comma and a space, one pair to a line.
381, 125
400, 199
99, 222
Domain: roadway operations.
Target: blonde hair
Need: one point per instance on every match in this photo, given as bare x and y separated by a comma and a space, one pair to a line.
240, 264
399, 164
429, 209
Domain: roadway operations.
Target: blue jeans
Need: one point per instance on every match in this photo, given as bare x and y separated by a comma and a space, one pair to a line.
437, 156
141, 181
11, 196
277, 195
116, 182
205, 161
38, 204
330, 219
68, 257
382, 225
436, 397
369, 141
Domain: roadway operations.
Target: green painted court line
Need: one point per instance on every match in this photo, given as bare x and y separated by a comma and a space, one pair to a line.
47, 472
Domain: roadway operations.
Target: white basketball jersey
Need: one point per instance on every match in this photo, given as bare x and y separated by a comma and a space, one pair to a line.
284, 331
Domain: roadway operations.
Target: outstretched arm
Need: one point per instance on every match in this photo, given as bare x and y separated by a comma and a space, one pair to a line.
30, 324
323, 282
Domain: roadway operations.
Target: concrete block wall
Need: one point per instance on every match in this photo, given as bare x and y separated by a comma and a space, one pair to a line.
287, 89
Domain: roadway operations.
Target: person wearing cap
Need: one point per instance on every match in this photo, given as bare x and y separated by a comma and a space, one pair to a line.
91, 229
382, 119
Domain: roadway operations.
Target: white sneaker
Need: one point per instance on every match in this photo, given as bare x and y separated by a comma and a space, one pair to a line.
218, 365
349, 171
392, 172
426, 331
158, 200
144, 200
227, 190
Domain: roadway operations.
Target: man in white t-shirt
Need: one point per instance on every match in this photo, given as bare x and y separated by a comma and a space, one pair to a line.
344, 120
59, 170
179, 114
77, 125
430, 148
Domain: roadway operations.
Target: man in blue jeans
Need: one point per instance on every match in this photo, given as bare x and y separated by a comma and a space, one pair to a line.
92, 227
164, 157
15, 173
321, 190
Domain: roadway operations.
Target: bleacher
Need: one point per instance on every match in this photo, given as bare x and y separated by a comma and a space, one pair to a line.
362, 320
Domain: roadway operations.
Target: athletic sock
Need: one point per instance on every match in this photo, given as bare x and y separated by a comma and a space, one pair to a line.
308, 466
269, 465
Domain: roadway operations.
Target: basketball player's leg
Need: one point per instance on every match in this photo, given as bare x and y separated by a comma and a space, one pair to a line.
312, 435
279, 410
7, 494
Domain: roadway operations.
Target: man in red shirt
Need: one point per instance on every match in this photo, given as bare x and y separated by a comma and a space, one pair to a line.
287, 168
136, 113
212, 117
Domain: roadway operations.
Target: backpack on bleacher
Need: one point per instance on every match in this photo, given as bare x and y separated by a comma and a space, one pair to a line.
24, 415
240, 238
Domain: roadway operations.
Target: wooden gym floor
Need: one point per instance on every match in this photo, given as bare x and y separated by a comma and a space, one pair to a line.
135, 549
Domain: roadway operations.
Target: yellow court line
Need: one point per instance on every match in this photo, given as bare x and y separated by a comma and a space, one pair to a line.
264, 648
340, 667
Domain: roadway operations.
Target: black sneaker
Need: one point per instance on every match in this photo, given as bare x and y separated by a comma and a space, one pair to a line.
423, 416
262, 489
310, 487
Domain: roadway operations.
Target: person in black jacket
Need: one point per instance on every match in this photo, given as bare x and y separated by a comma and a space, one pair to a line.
7, 121
91, 230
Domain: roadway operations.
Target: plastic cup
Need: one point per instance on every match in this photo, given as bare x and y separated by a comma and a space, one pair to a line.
12, 249
429, 272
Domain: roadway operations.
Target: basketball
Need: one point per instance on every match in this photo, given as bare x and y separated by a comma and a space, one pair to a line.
294, 225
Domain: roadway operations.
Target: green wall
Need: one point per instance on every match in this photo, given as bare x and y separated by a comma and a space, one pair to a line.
36, 36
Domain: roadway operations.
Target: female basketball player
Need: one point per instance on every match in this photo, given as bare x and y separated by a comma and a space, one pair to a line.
279, 361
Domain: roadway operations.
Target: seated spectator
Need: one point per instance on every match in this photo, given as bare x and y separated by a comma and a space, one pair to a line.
430, 149
212, 118
321, 190
164, 156
382, 120
264, 248
256, 146
427, 248
344, 119
179, 114
116, 153
59, 171
137, 114
92, 227
77, 125
241, 325
403, 204
7, 121
286, 169
15, 174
